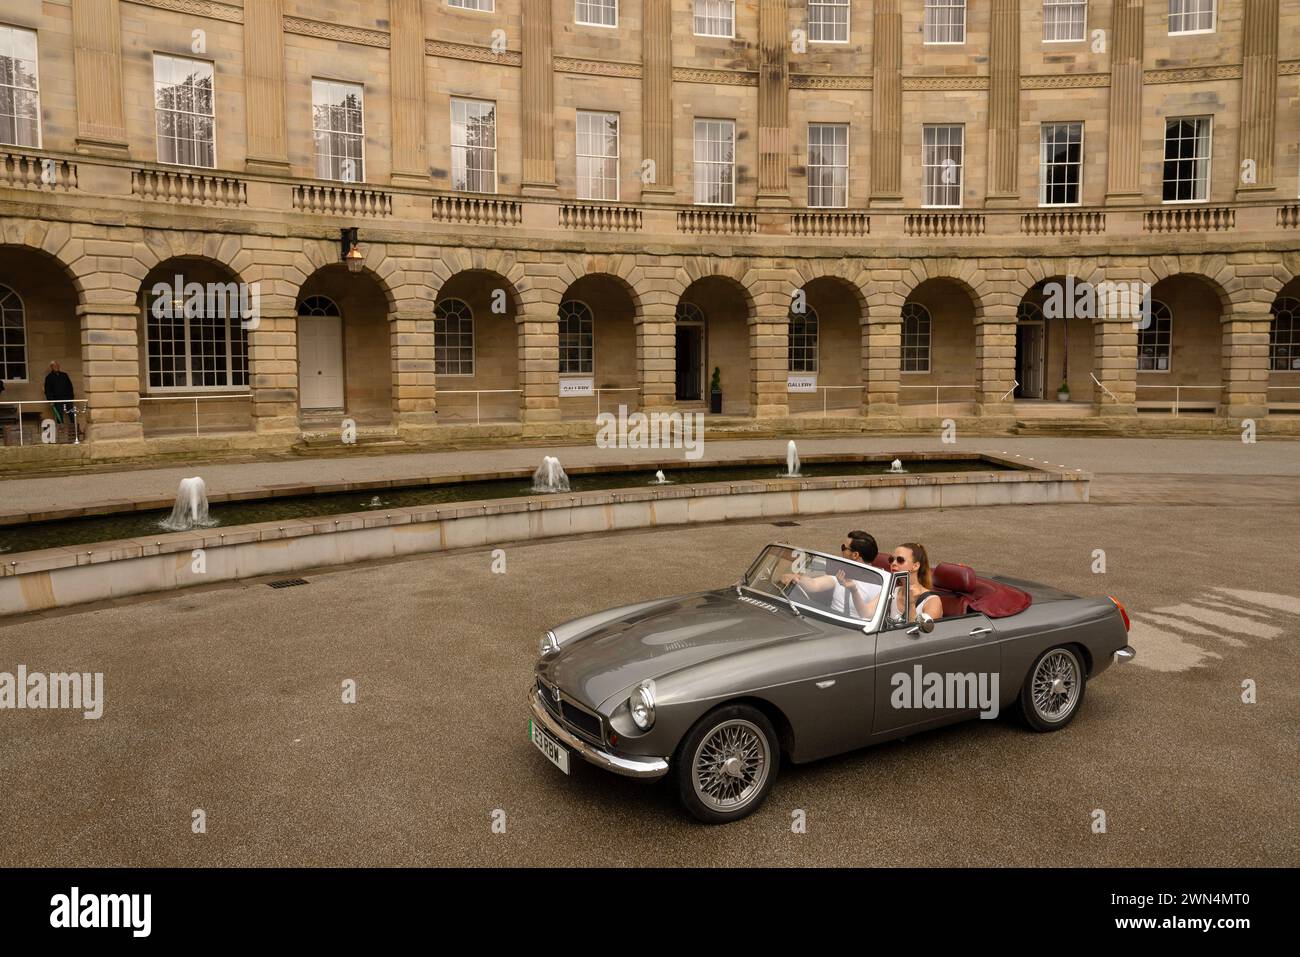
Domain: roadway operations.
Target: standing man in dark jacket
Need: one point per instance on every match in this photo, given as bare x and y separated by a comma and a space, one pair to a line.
58, 387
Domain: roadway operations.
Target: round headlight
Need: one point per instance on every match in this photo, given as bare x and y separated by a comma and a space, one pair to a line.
642, 706
549, 643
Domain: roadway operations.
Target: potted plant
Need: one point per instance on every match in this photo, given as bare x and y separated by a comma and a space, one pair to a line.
715, 392
1063, 393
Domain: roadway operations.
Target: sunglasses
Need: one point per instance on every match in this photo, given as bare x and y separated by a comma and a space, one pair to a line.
896, 559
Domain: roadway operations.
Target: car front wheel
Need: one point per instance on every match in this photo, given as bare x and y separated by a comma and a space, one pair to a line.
727, 763
1053, 691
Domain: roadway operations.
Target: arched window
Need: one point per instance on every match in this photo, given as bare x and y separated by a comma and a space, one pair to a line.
803, 340
318, 307
453, 338
1284, 336
197, 338
916, 338
13, 336
689, 312
577, 338
1029, 312
1155, 342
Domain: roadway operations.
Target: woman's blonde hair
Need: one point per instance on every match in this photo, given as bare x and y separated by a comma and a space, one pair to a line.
918, 553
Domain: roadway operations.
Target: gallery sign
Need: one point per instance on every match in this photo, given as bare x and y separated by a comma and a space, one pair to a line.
801, 382
575, 387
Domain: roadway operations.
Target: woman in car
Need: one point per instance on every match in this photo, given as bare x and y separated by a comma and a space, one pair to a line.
911, 558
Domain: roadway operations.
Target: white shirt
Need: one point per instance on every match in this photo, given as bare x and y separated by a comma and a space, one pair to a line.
842, 602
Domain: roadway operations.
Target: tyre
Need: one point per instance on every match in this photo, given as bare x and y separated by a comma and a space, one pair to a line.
726, 764
1053, 691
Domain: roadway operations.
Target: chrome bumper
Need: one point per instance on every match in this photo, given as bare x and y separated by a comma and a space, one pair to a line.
644, 769
1127, 653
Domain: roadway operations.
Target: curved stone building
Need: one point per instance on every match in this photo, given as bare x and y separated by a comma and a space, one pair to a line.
862, 215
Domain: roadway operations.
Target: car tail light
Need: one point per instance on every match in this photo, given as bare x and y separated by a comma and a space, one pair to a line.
1122, 613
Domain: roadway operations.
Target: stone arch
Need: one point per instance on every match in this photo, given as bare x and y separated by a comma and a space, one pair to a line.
522, 291
620, 269
315, 255
615, 360
694, 268
834, 293
56, 241
1212, 270
849, 275
515, 368
965, 273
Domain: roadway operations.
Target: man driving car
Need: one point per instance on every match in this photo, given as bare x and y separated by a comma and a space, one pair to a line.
853, 596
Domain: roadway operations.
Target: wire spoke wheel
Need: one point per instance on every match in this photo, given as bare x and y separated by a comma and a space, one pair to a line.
1055, 686
731, 765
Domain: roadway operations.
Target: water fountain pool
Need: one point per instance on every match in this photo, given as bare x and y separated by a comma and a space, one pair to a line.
133, 522
896, 468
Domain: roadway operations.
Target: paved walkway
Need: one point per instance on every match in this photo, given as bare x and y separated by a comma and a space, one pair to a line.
1103, 457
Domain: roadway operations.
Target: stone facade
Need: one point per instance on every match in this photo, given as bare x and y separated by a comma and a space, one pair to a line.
90, 218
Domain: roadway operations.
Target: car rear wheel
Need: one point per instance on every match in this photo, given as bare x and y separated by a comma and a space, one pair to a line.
1053, 691
726, 764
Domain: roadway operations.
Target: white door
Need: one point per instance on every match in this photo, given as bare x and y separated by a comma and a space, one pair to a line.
1030, 346
320, 362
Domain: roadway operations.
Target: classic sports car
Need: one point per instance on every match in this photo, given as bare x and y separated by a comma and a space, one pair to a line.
717, 687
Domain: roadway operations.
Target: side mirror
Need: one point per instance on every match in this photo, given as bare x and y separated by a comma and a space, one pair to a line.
924, 624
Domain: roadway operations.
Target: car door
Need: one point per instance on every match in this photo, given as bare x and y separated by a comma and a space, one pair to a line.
961, 646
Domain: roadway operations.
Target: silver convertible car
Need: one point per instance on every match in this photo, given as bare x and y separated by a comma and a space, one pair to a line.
807, 656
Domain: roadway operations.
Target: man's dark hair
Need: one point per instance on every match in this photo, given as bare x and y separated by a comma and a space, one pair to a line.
864, 545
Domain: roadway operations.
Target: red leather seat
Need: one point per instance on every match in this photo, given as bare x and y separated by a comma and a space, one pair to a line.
881, 561
970, 593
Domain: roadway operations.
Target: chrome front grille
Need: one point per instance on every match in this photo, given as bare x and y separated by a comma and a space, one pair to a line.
572, 715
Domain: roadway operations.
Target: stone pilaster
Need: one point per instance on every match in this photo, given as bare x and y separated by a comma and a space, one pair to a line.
268, 149
97, 58
1124, 131
657, 98
538, 99
656, 356
1114, 348
406, 70
769, 358
884, 332
539, 362
415, 386
773, 122
1245, 362
1004, 103
995, 360
110, 370
1256, 142
273, 370
887, 104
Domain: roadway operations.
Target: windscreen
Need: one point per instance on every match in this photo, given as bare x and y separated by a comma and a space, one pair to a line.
844, 589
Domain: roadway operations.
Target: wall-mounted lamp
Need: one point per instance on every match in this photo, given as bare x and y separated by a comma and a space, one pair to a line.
352, 255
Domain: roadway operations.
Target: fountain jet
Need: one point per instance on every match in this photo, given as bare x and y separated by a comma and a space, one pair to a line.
550, 476
791, 460
191, 508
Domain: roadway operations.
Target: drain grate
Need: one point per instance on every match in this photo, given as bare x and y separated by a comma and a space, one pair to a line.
785, 524
288, 582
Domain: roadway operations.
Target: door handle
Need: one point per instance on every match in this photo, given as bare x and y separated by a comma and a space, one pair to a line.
982, 630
